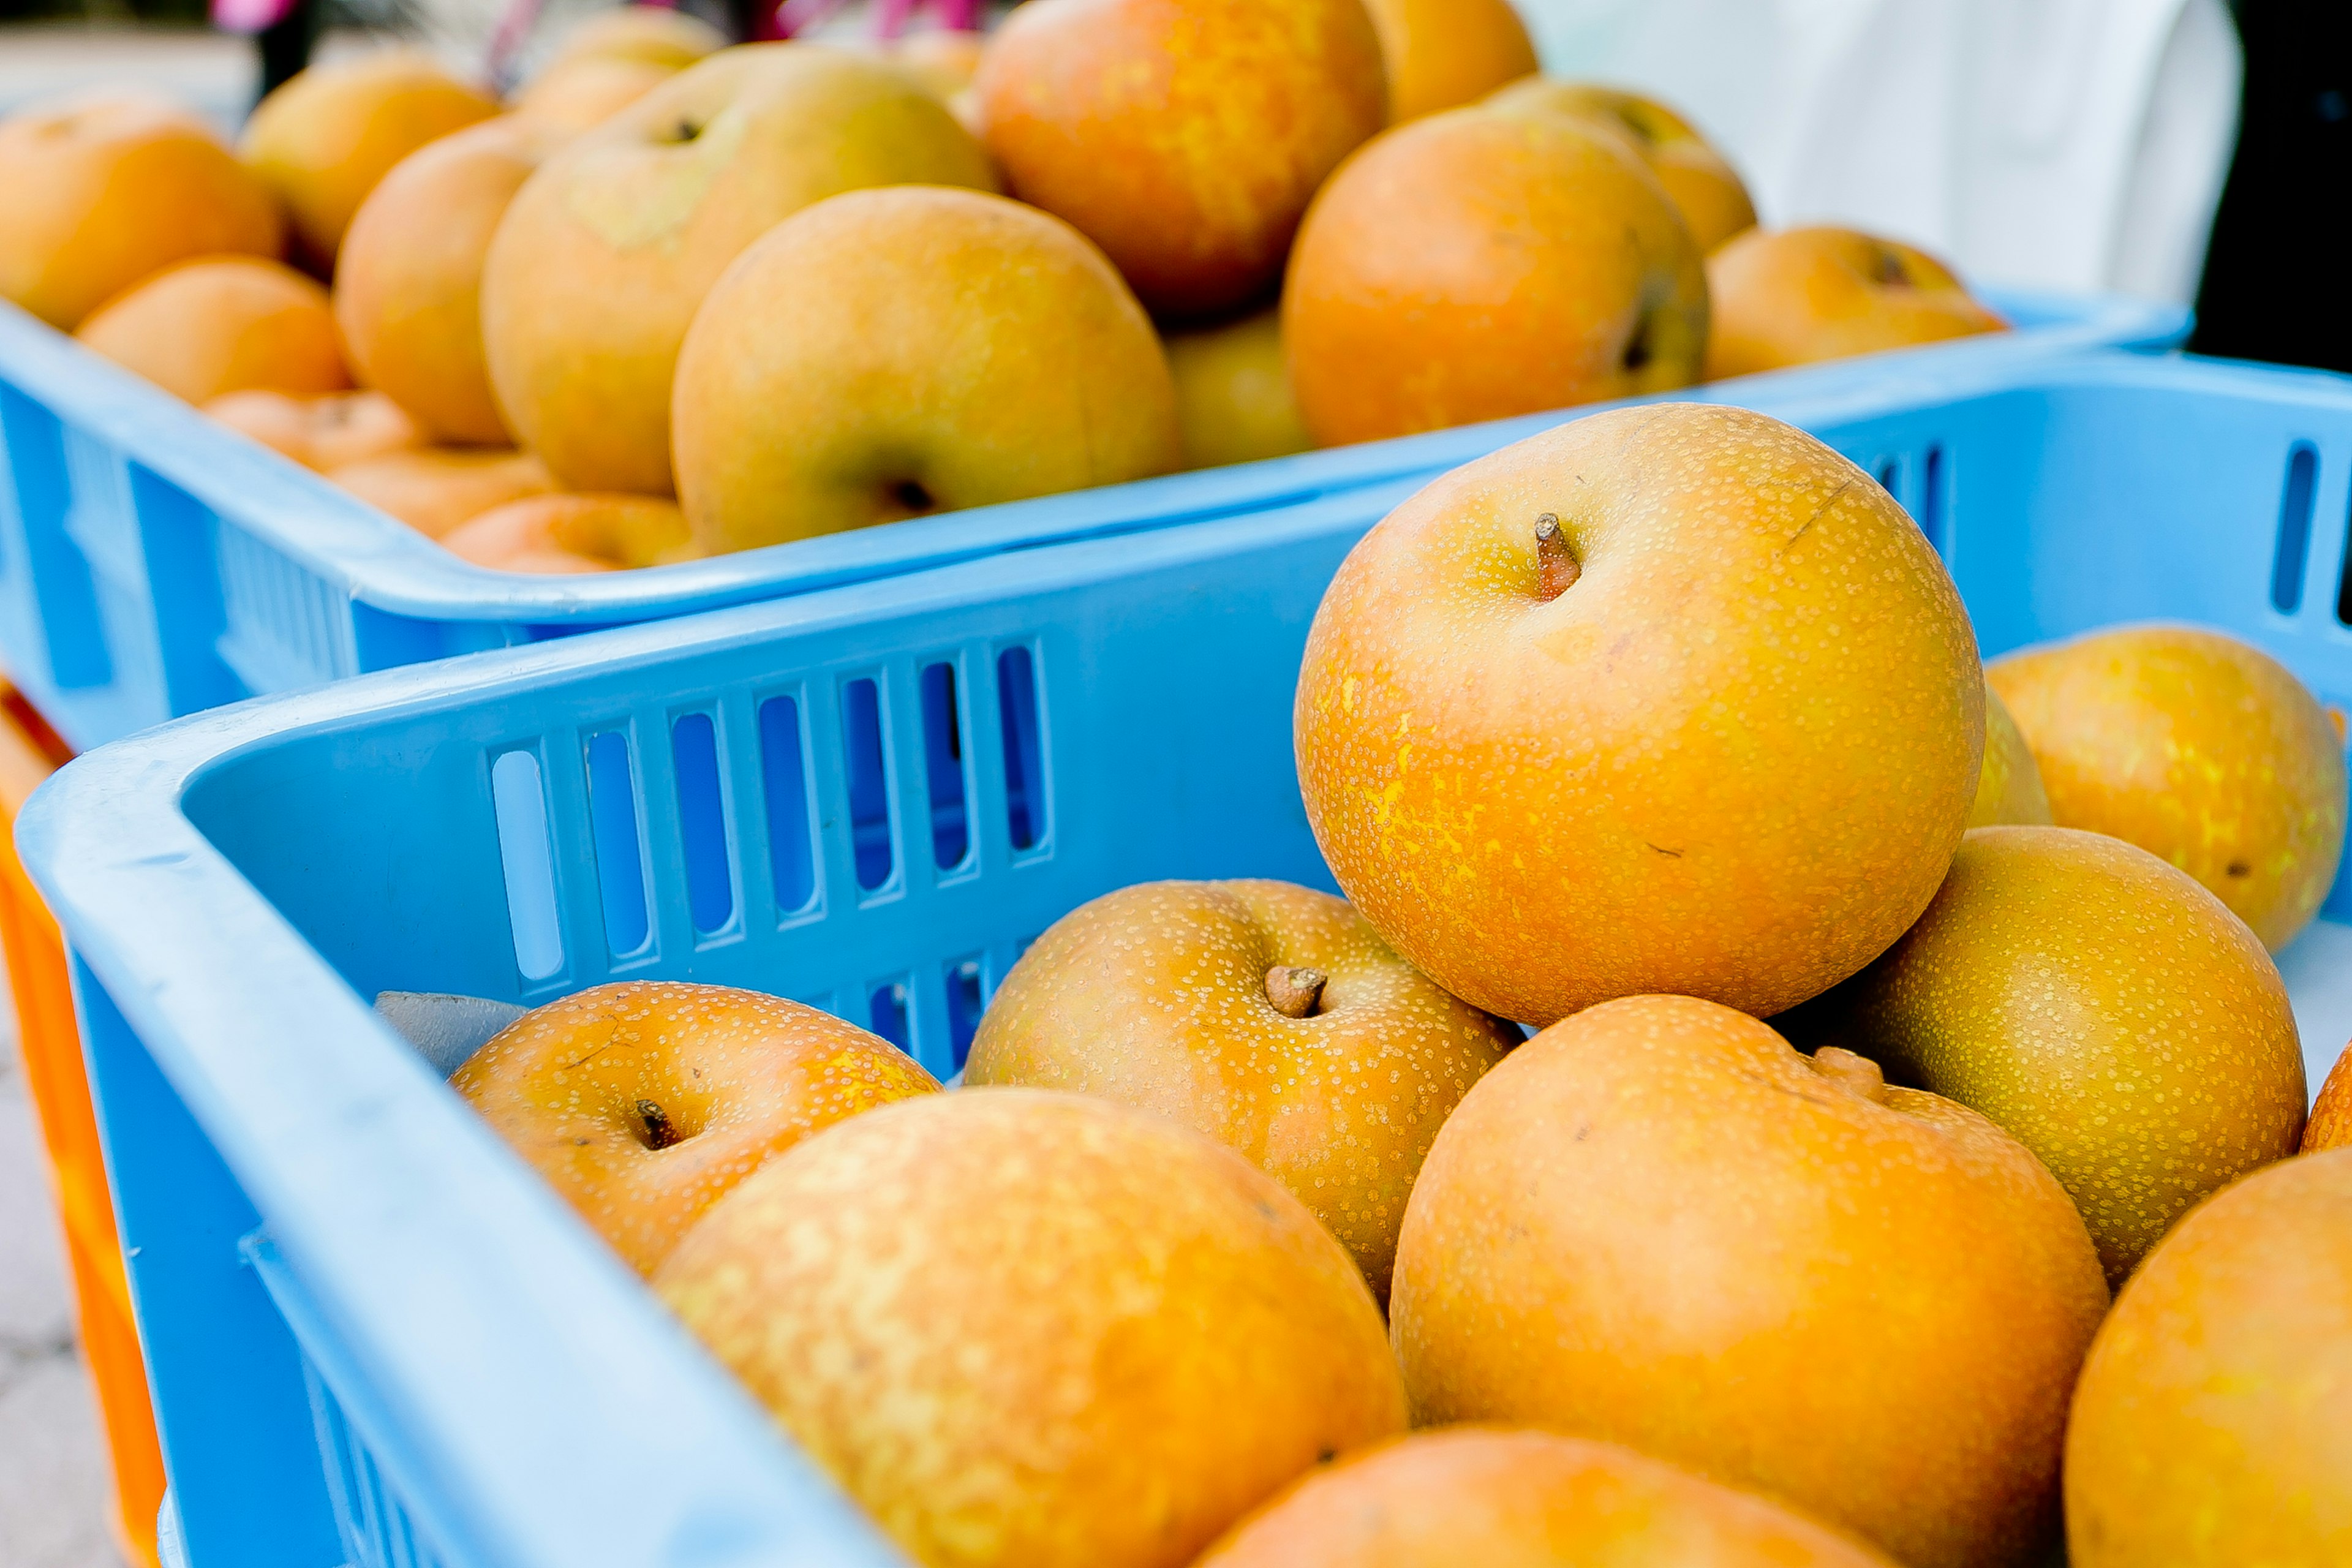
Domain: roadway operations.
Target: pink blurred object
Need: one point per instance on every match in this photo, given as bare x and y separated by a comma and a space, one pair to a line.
891, 17
249, 15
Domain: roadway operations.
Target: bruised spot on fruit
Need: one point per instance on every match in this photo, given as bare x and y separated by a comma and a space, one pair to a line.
1294, 992
1556, 567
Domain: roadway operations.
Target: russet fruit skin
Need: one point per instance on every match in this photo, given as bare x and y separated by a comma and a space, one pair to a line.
408, 286
2212, 1428
322, 432
2330, 1126
1793, 296
2198, 748
645, 1102
565, 533
2009, 789
435, 489
1658, 1225
1156, 996
888, 353
323, 139
219, 324
1442, 54
1731, 761
605, 255
106, 189
1498, 1497
1471, 265
1705, 190
1234, 402
2105, 1009
1185, 137
1032, 1329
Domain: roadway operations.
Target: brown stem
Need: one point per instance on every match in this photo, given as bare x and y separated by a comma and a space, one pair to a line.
1295, 992
659, 1133
1855, 1075
1557, 568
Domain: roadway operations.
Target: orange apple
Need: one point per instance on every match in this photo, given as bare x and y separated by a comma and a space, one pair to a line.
887, 353
1185, 137
324, 432
606, 252
2330, 1126
1442, 54
566, 533
106, 189
1022, 1327
1704, 188
1474, 265
1792, 296
1234, 402
325, 138
223, 323
1604, 713
435, 489
1270, 1017
1656, 1224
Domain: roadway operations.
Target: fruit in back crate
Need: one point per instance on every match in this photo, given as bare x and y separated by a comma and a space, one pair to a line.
324, 138
1234, 402
1658, 1225
561, 533
1041, 1329
2103, 1008
106, 189
1498, 1497
1182, 136
645, 1102
2213, 1425
1474, 265
889, 354
1669, 699
945, 60
2197, 747
435, 489
581, 94
1270, 1017
2330, 1126
1442, 54
1792, 296
408, 287
606, 252
324, 432
2010, 789
650, 33
223, 323
1706, 189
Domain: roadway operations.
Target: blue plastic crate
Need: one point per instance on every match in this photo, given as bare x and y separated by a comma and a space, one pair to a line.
154, 564
374, 1337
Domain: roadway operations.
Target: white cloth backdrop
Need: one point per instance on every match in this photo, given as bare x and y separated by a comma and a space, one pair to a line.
2066, 143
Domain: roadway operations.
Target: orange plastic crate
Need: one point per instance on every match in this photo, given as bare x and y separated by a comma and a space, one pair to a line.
30, 752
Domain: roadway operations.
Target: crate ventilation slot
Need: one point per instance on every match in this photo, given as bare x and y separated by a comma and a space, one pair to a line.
965, 1003
783, 773
887, 1009
620, 854
702, 824
527, 858
2295, 502
869, 784
1024, 753
943, 767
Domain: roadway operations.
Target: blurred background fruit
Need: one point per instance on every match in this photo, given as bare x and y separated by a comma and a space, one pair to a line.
324, 432
2009, 789
1442, 54
561, 533
1234, 402
435, 489
222, 324
1705, 189
1787, 297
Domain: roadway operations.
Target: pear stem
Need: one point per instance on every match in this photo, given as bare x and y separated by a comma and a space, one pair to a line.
1557, 569
1855, 1074
1295, 992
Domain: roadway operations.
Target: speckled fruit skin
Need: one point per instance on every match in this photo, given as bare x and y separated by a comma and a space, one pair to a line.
2009, 791
1502, 1498
1793, 296
219, 324
2212, 1428
1155, 997
2330, 1126
2198, 748
1732, 760
740, 1076
2105, 1009
1442, 54
1185, 137
1039, 1330
1658, 1225
1472, 265
1706, 189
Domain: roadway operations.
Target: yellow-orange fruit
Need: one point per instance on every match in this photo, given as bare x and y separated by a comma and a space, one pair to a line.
1714, 764
2105, 1009
581, 94
2330, 1126
2198, 748
1185, 137
1706, 189
2009, 791
1021, 1327
223, 323
1233, 403
1792, 296
1656, 1224
106, 189
652, 35
435, 489
1186, 998
563, 533
2213, 1425
1472, 265
645, 1102
1502, 1498
323, 139
322, 432
1442, 54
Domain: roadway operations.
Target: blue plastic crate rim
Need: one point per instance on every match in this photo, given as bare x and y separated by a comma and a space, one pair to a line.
336, 1258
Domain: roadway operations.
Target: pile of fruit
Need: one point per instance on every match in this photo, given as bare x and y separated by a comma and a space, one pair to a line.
675, 299
1894, 1011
